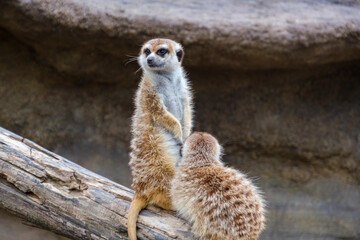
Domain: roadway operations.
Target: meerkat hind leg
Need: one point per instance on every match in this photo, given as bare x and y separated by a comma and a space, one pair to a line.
163, 200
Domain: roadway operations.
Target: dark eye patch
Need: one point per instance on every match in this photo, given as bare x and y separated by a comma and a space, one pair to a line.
147, 51
180, 55
161, 52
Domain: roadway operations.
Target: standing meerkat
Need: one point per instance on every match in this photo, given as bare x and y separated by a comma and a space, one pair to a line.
219, 202
161, 122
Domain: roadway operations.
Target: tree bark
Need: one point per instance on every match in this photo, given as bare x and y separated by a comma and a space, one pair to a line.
56, 194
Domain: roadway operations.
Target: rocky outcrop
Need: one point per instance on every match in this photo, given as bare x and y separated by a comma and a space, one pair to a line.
72, 36
276, 81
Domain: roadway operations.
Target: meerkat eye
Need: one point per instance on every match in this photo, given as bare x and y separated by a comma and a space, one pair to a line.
147, 52
179, 55
161, 52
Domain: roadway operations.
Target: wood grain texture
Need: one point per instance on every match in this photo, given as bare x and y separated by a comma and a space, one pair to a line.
61, 196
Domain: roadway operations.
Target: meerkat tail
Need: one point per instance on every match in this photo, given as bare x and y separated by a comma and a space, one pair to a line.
137, 204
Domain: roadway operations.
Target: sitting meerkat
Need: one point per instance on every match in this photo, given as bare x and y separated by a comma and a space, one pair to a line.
161, 122
219, 202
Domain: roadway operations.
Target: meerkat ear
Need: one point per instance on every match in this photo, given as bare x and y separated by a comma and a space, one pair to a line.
180, 55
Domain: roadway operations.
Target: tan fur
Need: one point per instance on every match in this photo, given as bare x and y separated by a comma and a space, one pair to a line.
220, 202
151, 161
155, 44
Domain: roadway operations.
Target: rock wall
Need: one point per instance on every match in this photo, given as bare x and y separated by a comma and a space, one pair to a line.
276, 82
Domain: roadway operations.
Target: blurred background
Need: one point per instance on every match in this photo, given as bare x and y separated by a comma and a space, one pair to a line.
277, 82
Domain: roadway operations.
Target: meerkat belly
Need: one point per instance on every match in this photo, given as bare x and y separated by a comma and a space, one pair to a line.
174, 104
172, 147
172, 95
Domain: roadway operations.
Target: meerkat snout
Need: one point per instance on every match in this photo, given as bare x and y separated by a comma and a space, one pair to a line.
150, 60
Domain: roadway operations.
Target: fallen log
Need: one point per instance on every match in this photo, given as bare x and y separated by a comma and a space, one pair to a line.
54, 193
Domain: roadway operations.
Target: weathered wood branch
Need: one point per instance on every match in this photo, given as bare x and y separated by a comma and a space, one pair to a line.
61, 196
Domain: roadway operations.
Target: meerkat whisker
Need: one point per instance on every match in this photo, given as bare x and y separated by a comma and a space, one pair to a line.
137, 70
131, 60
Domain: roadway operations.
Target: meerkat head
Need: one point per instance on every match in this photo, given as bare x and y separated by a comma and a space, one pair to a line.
161, 55
201, 148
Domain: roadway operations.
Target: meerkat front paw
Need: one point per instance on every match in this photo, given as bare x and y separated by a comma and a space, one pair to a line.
179, 135
186, 133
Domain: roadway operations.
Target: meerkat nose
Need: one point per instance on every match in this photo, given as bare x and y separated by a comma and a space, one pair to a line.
150, 60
